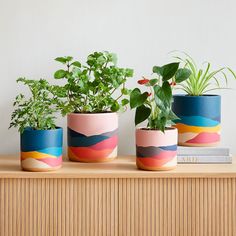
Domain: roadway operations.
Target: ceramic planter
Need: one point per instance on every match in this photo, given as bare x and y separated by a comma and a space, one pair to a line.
41, 150
156, 150
199, 123
92, 137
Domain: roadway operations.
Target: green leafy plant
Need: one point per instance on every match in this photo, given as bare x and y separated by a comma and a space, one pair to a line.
38, 110
92, 87
203, 80
155, 105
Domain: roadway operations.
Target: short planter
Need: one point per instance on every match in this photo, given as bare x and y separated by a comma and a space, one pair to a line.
199, 123
156, 150
41, 150
92, 137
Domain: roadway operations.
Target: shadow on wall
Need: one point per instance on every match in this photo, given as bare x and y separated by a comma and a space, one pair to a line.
9, 137
126, 134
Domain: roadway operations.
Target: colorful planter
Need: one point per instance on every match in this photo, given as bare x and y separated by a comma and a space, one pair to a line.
92, 137
156, 150
41, 150
199, 123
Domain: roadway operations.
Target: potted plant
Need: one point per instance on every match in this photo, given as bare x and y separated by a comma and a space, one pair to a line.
199, 112
41, 139
91, 100
156, 145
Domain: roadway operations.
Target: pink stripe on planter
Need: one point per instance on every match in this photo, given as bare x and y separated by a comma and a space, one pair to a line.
148, 138
53, 162
110, 143
205, 138
92, 124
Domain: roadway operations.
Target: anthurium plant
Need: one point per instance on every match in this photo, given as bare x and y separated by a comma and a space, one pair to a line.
38, 110
154, 105
203, 80
94, 87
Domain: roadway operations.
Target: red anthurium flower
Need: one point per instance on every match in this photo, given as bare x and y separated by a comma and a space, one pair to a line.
172, 83
143, 81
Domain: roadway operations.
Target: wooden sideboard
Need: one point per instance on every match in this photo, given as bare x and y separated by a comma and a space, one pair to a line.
117, 199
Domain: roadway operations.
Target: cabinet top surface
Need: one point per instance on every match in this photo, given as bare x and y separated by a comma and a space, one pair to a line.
122, 167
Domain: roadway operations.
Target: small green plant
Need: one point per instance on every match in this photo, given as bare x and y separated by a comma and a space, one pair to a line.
38, 110
155, 105
203, 80
91, 88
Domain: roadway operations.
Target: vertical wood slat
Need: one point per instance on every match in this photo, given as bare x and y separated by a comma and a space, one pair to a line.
158, 206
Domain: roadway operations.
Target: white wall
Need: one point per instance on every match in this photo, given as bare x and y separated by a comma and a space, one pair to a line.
34, 32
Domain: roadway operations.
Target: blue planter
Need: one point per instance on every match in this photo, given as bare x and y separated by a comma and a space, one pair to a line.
200, 117
41, 150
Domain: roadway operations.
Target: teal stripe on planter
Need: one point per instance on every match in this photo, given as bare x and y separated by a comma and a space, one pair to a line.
208, 106
32, 140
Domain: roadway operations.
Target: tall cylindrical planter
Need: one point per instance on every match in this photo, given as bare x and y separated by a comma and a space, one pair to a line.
156, 150
199, 119
41, 150
92, 137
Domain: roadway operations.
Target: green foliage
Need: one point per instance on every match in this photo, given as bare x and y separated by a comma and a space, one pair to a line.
92, 87
155, 106
36, 111
203, 80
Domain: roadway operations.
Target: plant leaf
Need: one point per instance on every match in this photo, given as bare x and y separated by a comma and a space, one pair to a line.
137, 98
60, 74
182, 74
141, 114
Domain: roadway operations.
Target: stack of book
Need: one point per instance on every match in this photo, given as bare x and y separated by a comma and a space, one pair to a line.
204, 155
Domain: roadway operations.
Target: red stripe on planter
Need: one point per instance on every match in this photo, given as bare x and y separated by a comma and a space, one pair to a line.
88, 153
153, 162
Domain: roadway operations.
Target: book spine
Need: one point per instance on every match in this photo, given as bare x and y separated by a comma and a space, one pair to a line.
204, 159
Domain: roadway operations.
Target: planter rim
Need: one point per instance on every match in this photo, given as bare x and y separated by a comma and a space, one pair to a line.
92, 114
29, 129
144, 129
204, 95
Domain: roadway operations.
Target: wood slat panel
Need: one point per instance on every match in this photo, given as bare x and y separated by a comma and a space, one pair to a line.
182, 207
60, 207
100, 207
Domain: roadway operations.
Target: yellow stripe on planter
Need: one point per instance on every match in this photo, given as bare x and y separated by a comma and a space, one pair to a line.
182, 128
36, 155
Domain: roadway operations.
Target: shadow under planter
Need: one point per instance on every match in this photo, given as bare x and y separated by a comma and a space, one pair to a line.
92, 137
156, 150
41, 150
200, 117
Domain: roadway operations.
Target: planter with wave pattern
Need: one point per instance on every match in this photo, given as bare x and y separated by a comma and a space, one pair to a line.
156, 150
41, 150
199, 124
92, 137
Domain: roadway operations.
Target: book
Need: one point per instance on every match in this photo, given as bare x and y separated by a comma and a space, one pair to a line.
188, 159
202, 151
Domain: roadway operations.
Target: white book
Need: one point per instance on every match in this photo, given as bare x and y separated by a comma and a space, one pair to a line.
204, 159
203, 151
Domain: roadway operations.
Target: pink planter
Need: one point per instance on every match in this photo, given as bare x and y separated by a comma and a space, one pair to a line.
92, 137
156, 150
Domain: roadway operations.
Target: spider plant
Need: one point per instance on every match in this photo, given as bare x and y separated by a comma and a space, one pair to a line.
203, 80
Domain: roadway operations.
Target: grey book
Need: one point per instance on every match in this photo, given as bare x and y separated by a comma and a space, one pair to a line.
203, 151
